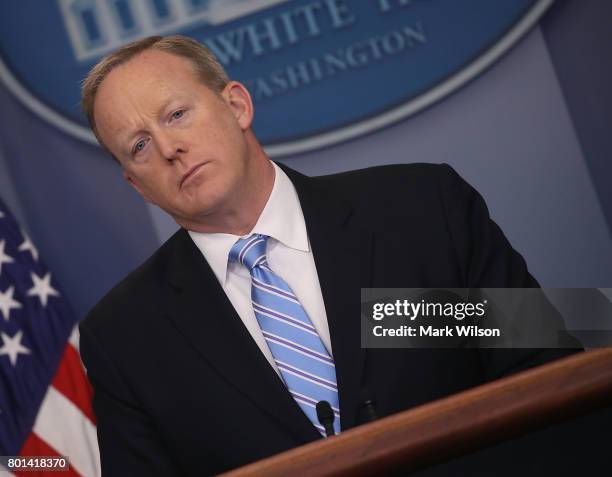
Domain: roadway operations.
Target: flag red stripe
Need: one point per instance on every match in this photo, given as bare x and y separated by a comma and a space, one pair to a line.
71, 381
35, 446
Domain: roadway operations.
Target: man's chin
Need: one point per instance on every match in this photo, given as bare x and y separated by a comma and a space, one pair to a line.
198, 218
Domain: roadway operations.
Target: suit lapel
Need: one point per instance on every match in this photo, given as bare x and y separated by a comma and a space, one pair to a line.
342, 256
203, 314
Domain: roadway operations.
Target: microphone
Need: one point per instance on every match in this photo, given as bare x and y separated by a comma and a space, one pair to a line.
367, 410
325, 414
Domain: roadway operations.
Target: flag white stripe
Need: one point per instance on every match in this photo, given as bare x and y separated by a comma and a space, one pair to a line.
3, 469
58, 423
74, 338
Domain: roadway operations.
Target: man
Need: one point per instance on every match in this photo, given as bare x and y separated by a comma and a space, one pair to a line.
187, 376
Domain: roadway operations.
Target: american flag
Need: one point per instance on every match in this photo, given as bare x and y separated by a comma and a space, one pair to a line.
45, 398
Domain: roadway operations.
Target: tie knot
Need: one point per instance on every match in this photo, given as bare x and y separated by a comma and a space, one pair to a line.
250, 251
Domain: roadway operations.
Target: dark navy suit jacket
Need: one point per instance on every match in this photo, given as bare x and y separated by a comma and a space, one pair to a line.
182, 389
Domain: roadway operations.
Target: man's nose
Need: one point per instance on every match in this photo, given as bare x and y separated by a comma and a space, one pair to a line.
171, 147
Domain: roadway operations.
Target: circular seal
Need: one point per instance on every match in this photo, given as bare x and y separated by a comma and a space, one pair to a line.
320, 71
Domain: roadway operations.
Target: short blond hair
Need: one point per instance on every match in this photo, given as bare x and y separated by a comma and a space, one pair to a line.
206, 66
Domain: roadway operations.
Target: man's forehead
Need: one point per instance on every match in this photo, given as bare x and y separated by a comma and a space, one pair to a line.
142, 85
150, 68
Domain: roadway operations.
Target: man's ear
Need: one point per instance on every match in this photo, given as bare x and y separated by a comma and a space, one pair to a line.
133, 183
239, 100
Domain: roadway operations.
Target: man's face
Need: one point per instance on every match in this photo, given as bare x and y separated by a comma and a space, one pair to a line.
182, 146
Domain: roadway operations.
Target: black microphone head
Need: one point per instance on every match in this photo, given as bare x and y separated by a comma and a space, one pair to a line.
367, 410
324, 412
365, 396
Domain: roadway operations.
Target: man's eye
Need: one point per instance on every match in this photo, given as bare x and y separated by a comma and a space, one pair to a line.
139, 146
178, 114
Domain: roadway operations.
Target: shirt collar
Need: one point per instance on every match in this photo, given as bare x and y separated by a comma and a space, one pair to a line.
281, 219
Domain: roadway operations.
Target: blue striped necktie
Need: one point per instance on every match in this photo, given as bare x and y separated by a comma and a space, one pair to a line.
304, 363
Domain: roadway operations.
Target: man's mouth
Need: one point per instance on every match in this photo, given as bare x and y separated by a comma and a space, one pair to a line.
191, 172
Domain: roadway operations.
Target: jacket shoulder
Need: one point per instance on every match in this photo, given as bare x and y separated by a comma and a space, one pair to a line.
400, 175
137, 291
381, 186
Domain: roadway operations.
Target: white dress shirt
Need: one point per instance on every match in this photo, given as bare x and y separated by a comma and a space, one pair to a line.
289, 256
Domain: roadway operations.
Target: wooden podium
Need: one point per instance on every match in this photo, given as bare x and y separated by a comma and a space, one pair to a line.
452, 426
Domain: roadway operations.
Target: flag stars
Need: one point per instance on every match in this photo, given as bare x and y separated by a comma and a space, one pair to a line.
42, 288
7, 303
12, 347
4, 258
28, 246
